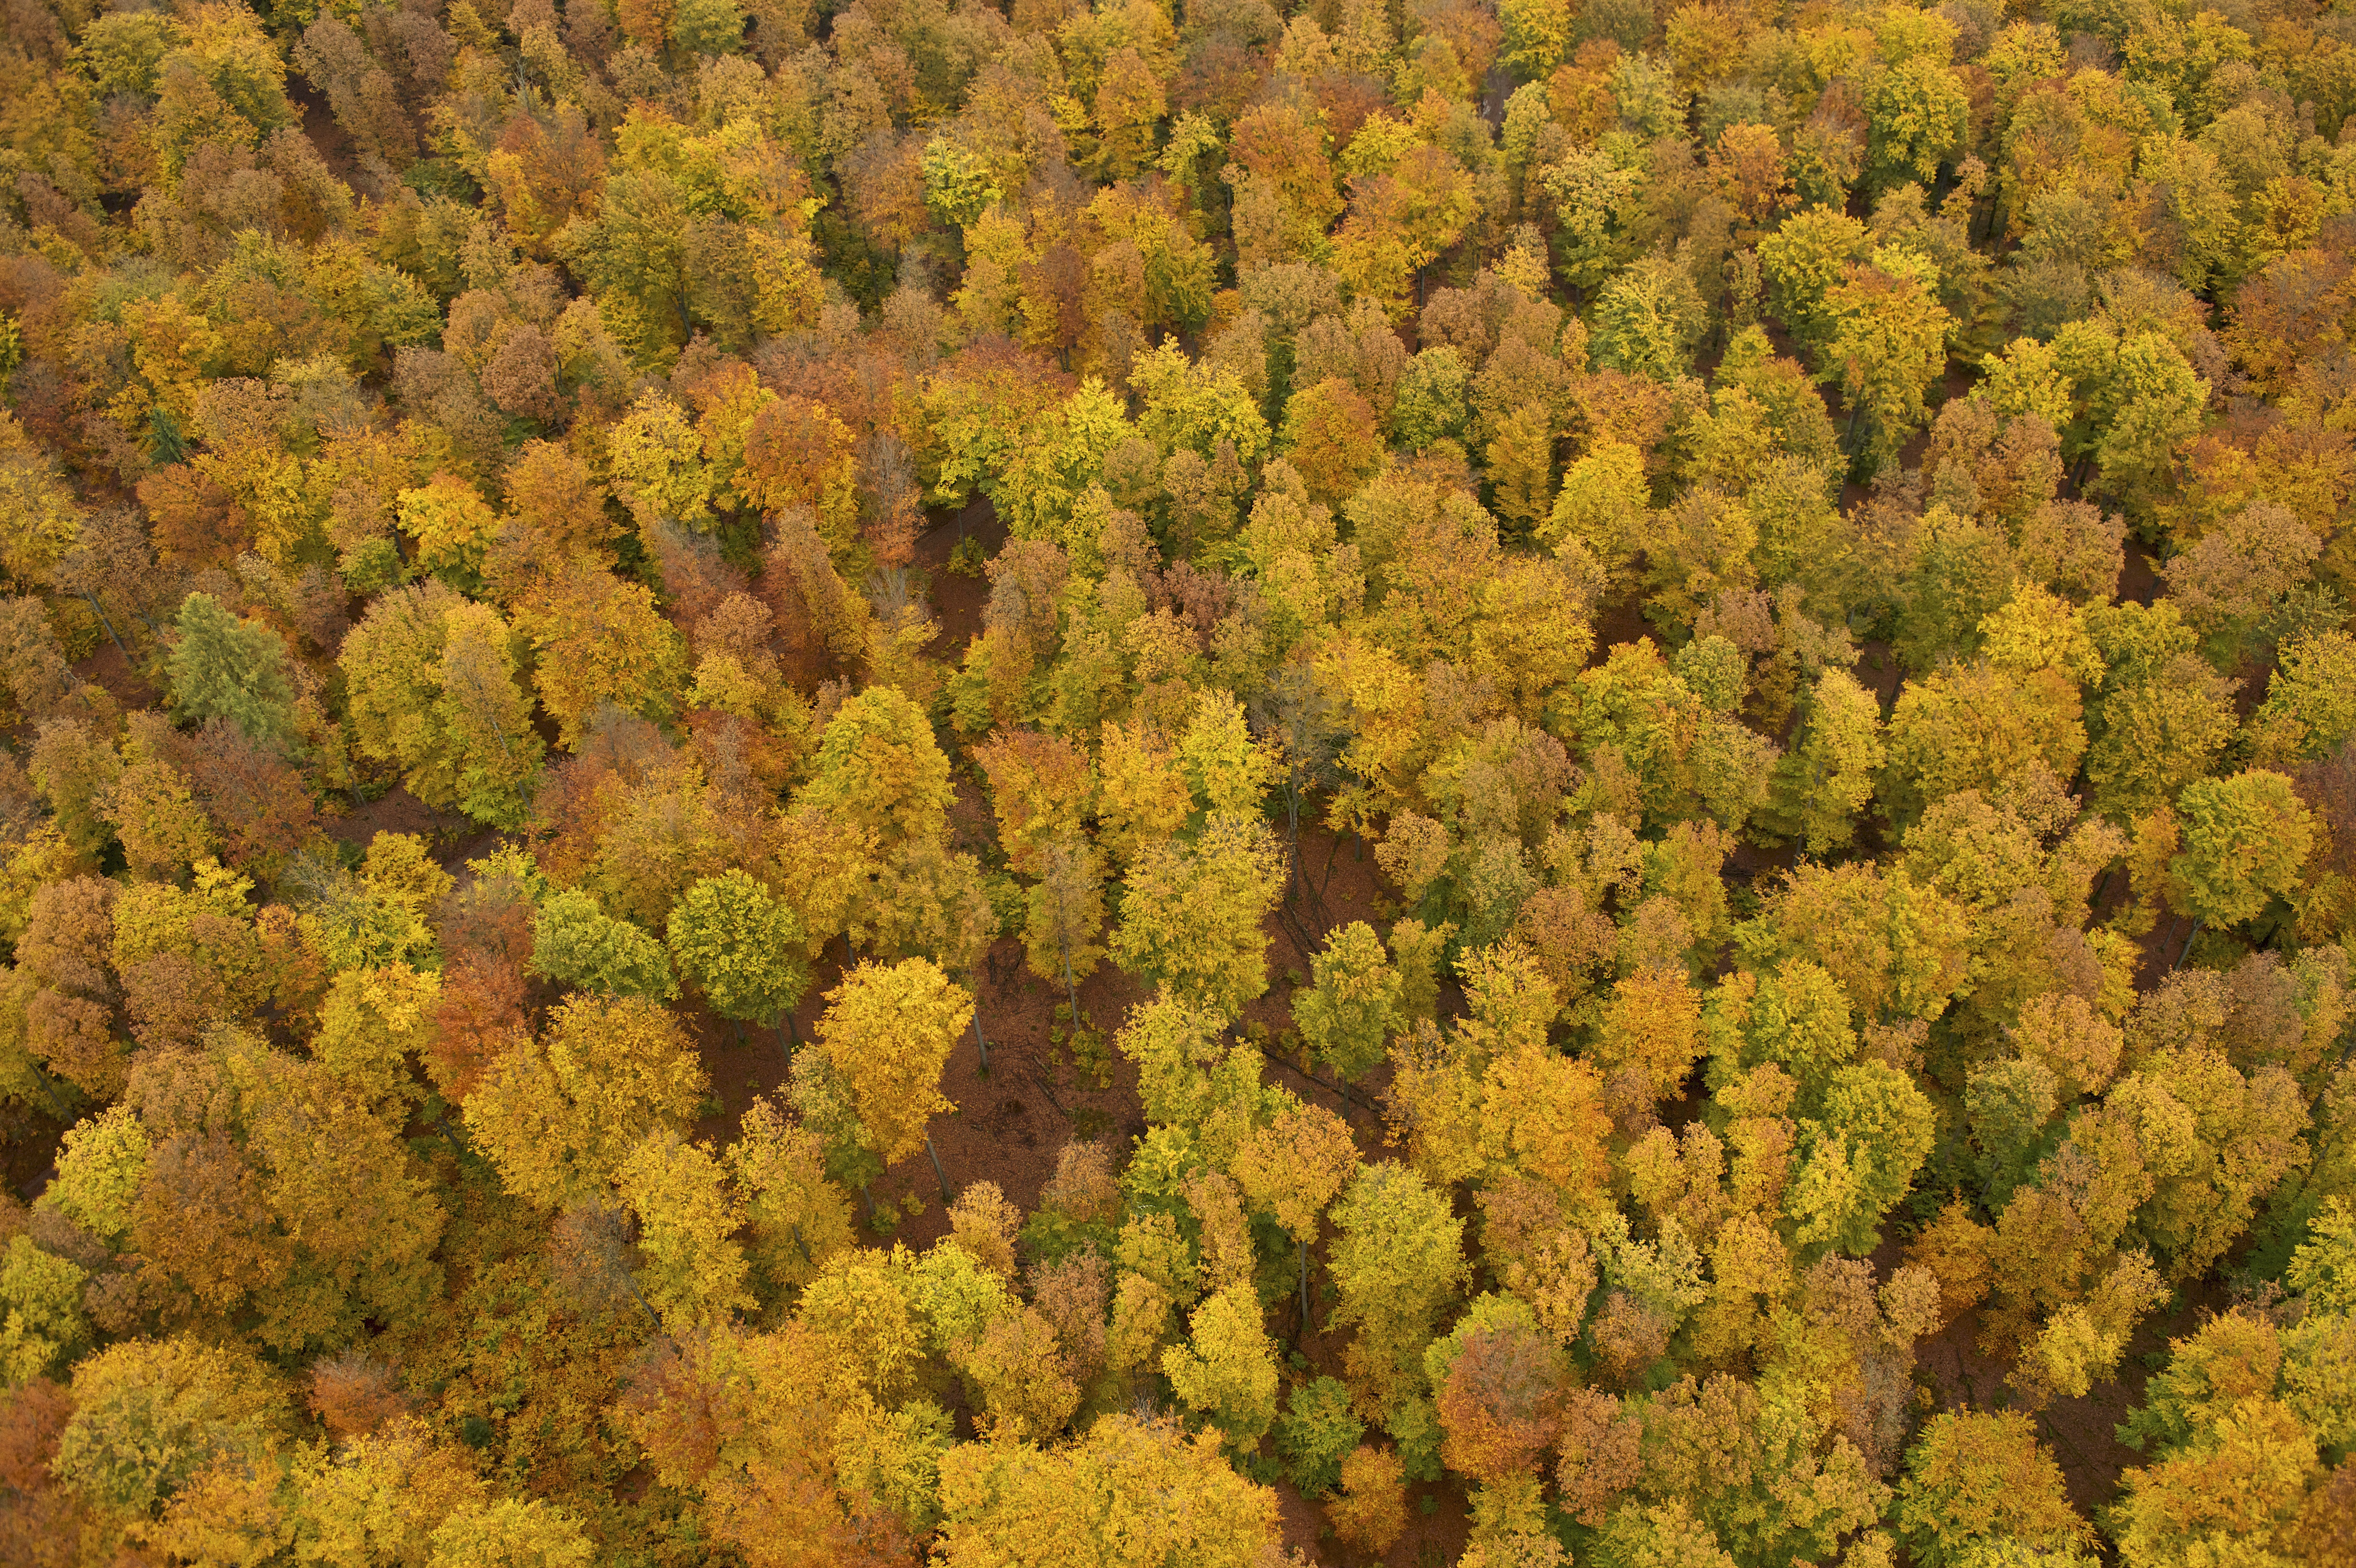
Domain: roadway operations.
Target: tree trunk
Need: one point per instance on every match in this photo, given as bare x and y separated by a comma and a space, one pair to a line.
111, 636
978, 1039
1301, 1246
870, 1197
2187, 948
938, 1174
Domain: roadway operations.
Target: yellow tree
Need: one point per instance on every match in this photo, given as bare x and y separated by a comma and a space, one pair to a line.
1226, 1368
691, 1269
558, 1114
1292, 1168
1131, 1491
1191, 919
887, 1033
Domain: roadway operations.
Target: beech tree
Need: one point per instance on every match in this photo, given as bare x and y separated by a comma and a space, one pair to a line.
740, 947
558, 1113
887, 1032
1190, 919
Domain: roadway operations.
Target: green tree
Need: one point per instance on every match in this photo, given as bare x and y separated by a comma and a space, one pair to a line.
222, 667
1398, 1260
574, 943
741, 947
1348, 1014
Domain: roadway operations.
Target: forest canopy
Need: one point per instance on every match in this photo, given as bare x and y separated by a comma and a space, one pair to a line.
1532, 784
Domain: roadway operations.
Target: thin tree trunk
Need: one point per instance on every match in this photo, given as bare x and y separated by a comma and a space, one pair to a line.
938, 1174
1301, 1247
1071, 991
2187, 948
112, 634
870, 1197
978, 1039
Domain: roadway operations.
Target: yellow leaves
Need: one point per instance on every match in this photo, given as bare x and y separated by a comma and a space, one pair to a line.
1294, 1165
594, 639
1026, 1385
559, 1114
860, 1311
888, 1032
1227, 769
1543, 1116
1130, 1490
1227, 1370
38, 517
1142, 798
372, 1021
798, 1219
452, 525
693, 1270
1652, 1029
1191, 919
657, 457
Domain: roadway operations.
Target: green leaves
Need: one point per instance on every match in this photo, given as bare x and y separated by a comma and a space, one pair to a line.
740, 947
576, 943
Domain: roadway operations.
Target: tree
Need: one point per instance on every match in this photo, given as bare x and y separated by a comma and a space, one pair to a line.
692, 1271
1398, 1262
1822, 783
1227, 1370
1347, 1017
2244, 839
432, 691
1191, 917
151, 1416
1128, 1490
1064, 916
576, 943
1329, 437
1859, 1156
878, 768
560, 1113
1651, 1031
525, 1532
1975, 1478
798, 1219
1887, 342
596, 639
452, 526
1369, 1510
222, 667
1538, 35
888, 1032
1292, 1168
739, 946
1648, 320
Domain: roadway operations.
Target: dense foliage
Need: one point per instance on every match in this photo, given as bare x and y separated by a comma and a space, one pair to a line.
1807, 545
